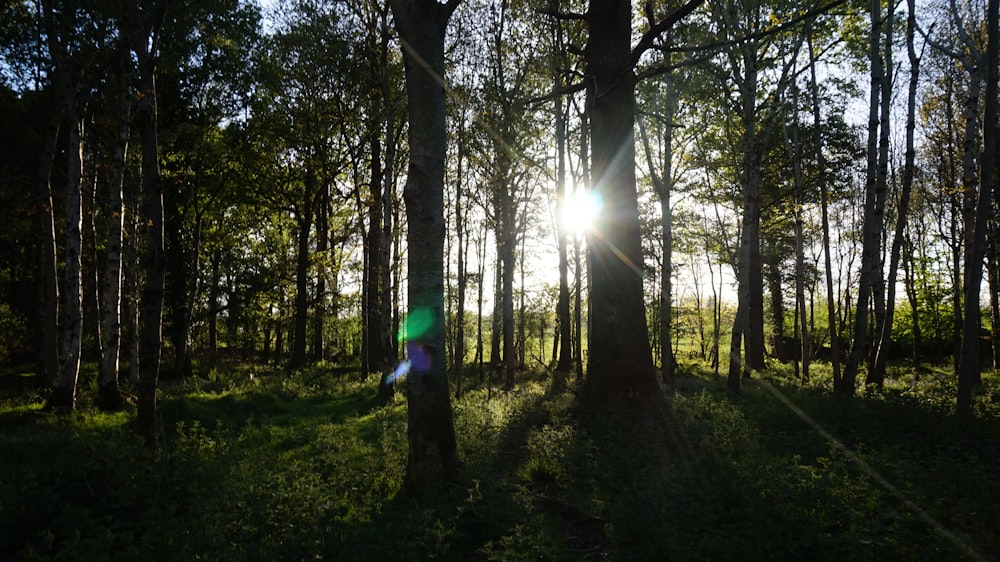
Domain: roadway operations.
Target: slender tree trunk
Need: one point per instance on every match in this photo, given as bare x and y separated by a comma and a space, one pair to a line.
108, 395
564, 333
794, 145
831, 298
620, 363
431, 434
877, 376
969, 367
909, 284
48, 286
387, 359
577, 251
143, 29
63, 395
461, 274
881, 190
871, 229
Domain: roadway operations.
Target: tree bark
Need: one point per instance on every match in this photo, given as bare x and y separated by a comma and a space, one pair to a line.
432, 451
620, 364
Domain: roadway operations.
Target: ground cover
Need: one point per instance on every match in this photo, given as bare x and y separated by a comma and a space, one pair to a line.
260, 464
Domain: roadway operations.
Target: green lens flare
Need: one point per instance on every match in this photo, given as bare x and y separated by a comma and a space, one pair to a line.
416, 324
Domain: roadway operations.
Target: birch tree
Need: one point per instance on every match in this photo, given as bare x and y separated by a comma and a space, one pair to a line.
432, 448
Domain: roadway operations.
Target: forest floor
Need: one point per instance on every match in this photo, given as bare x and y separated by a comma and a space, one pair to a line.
259, 464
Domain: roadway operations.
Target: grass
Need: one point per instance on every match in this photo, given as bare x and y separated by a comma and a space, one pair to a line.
292, 466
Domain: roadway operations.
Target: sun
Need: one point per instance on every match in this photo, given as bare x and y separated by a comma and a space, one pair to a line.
580, 209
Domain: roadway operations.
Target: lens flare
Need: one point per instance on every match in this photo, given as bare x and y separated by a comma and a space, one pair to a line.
401, 371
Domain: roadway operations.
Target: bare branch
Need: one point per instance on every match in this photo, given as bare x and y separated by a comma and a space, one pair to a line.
561, 16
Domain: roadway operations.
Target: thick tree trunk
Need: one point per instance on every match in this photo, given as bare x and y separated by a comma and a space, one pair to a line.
433, 451
993, 280
304, 221
507, 252
969, 367
620, 364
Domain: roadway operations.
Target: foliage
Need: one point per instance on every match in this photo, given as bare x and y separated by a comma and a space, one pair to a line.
259, 464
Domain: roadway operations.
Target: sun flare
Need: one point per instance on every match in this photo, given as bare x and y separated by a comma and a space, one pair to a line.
580, 210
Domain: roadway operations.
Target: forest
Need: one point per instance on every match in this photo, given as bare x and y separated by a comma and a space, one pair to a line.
743, 261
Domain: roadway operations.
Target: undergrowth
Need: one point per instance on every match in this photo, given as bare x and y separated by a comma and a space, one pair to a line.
264, 465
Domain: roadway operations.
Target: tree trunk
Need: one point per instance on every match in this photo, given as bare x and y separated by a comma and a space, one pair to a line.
564, 334
831, 307
993, 280
909, 285
432, 447
794, 146
48, 286
461, 274
143, 25
872, 222
323, 249
577, 251
969, 367
663, 184
620, 363
877, 376
63, 395
109, 396
304, 221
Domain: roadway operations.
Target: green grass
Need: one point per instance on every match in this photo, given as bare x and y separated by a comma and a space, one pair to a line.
292, 466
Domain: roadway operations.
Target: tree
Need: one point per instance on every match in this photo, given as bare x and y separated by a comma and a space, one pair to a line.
142, 25
620, 364
870, 281
108, 395
433, 451
71, 83
663, 185
877, 374
968, 366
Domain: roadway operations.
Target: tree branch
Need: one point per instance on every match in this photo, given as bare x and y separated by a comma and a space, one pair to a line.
656, 30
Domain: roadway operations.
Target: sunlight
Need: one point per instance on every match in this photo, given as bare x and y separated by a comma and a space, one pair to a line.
580, 210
